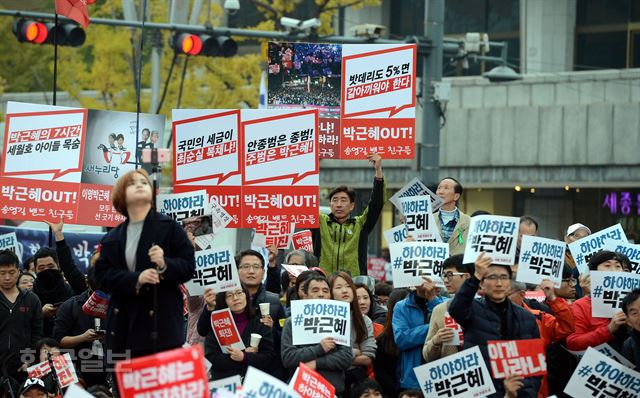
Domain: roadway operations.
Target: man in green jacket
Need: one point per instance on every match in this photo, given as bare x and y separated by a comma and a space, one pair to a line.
340, 242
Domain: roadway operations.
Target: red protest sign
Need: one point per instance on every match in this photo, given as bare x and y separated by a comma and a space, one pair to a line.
278, 233
458, 336
178, 373
302, 240
84, 158
63, 365
521, 357
329, 138
375, 268
225, 330
537, 295
310, 384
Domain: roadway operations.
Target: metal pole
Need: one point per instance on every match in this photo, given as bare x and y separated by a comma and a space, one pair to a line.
431, 73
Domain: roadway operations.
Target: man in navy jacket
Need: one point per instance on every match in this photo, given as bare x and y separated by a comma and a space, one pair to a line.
493, 317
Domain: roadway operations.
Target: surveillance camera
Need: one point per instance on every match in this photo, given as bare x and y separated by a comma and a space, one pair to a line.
296, 24
290, 23
369, 30
231, 6
313, 23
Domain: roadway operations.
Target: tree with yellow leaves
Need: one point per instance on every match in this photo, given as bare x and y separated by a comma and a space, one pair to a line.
106, 64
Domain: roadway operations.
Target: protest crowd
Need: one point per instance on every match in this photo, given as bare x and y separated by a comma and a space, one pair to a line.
132, 302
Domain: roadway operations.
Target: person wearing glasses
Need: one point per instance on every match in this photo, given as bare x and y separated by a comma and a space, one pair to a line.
454, 273
567, 289
251, 269
494, 317
236, 361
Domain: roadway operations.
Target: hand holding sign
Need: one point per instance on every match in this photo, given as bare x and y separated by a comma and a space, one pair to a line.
482, 265
56, 229
328, 344
210, 298
547, 288
376, 161
618, 320
235, 353
512, 384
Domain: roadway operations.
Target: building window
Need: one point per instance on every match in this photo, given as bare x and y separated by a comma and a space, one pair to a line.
607, 34
499, 18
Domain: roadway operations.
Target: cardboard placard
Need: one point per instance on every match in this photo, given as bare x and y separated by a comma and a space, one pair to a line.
313, 320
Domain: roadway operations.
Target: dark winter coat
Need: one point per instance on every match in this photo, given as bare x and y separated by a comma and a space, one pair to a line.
130, 317
481, 324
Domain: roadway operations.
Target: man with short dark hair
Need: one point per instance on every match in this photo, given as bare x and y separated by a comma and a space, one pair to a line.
20, 318
50, 285
493, 317
328, 358
340, 243
454, 273
451, 222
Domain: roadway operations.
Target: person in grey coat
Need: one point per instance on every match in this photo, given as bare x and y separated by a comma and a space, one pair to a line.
327, 358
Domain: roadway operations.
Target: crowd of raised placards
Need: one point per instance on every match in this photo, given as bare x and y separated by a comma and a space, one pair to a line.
467, 306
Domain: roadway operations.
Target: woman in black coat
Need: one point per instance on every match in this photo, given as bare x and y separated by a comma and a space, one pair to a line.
237, 361
147, 252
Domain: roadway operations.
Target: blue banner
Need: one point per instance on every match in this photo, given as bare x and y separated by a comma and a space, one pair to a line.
81, 244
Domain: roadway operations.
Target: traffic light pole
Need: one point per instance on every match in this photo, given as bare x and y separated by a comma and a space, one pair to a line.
431, 73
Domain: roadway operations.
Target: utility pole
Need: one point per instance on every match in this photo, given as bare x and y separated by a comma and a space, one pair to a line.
431, 73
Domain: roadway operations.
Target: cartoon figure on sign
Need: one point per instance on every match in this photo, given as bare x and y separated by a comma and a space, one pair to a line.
116, 149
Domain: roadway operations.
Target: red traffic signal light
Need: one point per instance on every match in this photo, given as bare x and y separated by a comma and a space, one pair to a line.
32, 32
187, 43
211, 46
67, 34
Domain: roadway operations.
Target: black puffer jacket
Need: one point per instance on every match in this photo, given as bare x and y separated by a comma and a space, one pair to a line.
480, 324
631, 348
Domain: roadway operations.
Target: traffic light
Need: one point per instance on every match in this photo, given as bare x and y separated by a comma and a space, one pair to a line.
211, 46
35, 32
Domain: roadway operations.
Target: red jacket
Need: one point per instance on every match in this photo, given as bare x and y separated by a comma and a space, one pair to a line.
590, 331
552, 329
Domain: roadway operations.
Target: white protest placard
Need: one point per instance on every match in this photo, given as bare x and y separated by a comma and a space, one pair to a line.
597, 373
206, 147
608, 289
607, 350
180, 206
419, 219
413, 260
313, 320
258, 384
63, 366
230, 384
494, 235
57, 136
215, 268
415, 187
464, 374
10, 242
396, 234
582, 249
628, 249
295, 270
378, 100
540, 258
458, 335
220, 218
76, 392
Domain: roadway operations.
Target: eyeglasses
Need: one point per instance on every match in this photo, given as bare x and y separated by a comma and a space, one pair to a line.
493, 278
232, 295
447, 276
570, 281
246, 267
